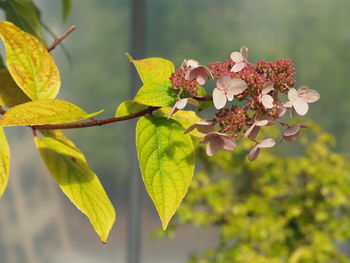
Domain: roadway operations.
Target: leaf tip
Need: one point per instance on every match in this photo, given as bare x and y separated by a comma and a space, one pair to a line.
129, 57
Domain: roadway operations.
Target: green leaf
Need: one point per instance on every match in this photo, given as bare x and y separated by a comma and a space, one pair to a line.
29, 63
156, 90
129, 107
4, 161
166, 158
185, 118
80, 184
10, 93
25, 15
66, 8
42, 112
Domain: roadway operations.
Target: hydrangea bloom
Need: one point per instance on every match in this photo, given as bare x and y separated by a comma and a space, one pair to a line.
240, 59
196, 71
257, 93
267, 143
226, 89
299, 99
216, 141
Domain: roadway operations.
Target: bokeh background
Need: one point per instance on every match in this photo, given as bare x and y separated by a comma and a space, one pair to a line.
38, 223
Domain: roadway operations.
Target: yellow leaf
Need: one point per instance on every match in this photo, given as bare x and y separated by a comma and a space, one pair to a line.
156, 90
29, 63
4, 161
80, 184
10, 93
40, 112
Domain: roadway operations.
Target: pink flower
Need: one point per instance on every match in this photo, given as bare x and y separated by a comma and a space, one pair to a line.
292, 132
197, 71
266, 99
267, 143
299, 99
203, 126
216, 141
240, 59
181, 104
226, 89
253, 130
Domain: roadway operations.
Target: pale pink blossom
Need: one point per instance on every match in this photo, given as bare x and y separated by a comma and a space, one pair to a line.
253, 130
203, 126
267, 143
299, 99
292, 132
226, 89
216, 141
196, 71
266, 99
240, 59
181, 104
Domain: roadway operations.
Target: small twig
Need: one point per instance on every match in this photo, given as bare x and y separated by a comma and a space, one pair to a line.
60, 38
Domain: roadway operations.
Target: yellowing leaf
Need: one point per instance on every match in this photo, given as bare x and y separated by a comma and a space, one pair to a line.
185, 118
4, 161
166, 161
156, 90
129, 107
42, 112
25, 15
80, 184
29, 63
10, 93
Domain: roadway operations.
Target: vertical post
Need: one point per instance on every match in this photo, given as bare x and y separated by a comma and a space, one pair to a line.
138, 22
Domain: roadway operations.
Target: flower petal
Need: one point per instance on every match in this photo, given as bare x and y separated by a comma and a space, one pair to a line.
203, 126
292, 130
200, 73
291, 138
293, 95
308, 95
244, 52
236, 87
267, 87
300, 106
262, 123
254, 133
180, 104
267, 143
253, 153
238, 67
228, 143
223, 82
219, 98
236, 57
191, 63
267, 101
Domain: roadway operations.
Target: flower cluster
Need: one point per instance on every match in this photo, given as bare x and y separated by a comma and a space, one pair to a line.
261, 94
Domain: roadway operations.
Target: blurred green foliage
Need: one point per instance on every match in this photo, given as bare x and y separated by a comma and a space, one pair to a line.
291, 208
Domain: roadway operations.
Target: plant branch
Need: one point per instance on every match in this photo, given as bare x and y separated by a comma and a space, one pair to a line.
94, 122
61, 37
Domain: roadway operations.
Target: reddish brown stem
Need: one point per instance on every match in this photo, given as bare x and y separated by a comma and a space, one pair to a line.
61, 37
94, 122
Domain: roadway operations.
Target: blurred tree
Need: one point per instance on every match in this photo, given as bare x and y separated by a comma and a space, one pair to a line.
275, 209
